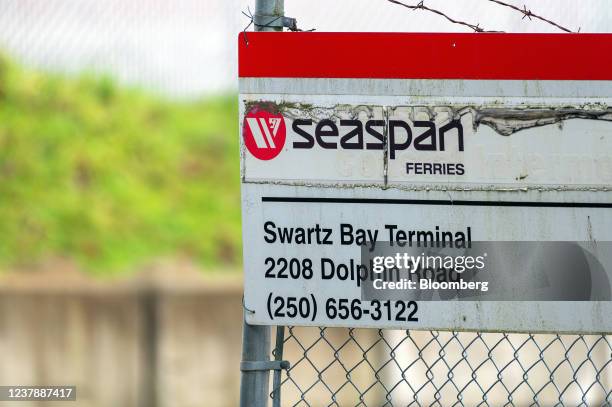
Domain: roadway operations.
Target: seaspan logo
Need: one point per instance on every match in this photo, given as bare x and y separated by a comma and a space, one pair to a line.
264, 133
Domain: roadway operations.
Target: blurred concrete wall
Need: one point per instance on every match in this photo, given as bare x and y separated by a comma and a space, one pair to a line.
168, 337
150, 341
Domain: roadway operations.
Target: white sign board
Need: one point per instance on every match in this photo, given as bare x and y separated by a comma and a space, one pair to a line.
333, 167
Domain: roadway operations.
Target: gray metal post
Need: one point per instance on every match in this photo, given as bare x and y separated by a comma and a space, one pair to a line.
254, 384
278, 356
269, 15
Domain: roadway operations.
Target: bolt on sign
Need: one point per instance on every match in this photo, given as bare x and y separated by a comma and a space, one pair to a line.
427, 181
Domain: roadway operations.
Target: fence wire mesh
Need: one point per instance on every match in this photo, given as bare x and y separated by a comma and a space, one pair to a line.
368, 367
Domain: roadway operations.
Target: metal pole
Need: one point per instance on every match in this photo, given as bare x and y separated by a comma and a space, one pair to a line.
254, 384
278, 355
269, 12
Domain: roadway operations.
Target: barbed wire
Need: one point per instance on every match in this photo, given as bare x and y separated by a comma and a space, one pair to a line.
421, 6
527, 13
251, 18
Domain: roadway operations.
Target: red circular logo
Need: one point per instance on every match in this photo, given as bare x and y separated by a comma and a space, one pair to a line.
264, 133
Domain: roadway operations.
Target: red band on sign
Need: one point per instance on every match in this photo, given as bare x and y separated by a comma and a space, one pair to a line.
426, 56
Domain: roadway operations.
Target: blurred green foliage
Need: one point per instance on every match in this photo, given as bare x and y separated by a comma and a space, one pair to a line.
114, 177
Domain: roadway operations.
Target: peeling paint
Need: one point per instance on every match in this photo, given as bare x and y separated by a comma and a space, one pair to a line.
590, 231
386, 148
292, 110
437, 187
507, 121
504, 120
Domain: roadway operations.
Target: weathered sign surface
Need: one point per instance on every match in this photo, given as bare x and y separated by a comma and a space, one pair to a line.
357, 146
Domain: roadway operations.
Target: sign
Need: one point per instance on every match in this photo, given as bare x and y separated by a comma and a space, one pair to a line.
361, 150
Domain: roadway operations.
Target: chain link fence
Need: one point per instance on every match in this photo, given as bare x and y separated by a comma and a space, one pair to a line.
368, 367
165, 46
